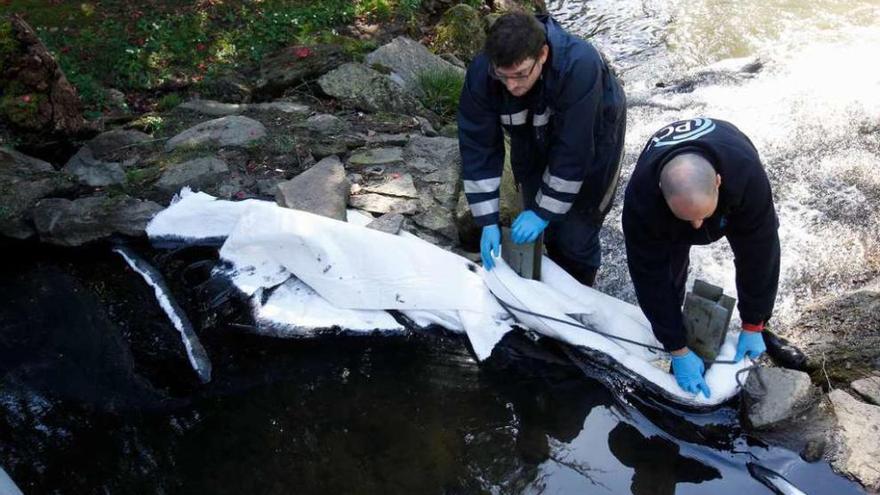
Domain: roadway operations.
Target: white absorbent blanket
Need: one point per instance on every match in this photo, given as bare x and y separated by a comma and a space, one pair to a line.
323, 273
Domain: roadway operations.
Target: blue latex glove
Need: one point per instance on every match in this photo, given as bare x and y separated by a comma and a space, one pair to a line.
490, 245
750, 344
688, 371
527, 227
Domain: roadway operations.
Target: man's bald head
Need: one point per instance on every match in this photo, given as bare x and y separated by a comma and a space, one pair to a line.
690, 187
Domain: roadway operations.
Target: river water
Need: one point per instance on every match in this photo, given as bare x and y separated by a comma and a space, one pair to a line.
96, 398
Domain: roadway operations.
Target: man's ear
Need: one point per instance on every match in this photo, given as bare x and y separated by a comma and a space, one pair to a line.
717, 180
545, 52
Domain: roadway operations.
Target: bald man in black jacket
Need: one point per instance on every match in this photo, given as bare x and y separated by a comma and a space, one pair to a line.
695, 182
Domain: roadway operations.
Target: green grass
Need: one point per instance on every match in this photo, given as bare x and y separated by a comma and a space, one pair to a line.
115, 43
441, 91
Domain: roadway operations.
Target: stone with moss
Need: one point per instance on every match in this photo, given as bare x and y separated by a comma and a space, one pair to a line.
460, 32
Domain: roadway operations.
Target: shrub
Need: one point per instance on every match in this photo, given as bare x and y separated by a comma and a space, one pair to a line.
440, 91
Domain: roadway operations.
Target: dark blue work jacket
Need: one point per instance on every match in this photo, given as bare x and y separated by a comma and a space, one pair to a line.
745, 215
558, 131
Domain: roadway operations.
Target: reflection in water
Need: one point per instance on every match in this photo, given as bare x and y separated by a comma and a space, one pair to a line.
657, 462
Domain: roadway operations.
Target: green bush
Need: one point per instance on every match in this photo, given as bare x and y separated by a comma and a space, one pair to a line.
440, 91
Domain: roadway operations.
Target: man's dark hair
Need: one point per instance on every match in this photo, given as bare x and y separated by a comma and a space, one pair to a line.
513, 38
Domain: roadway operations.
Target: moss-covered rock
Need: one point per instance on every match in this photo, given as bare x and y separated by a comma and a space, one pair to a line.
460, 32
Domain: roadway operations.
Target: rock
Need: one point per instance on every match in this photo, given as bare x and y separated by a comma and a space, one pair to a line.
200, 174
231, 86
324, 149
460, 32
234, 130
869, 388
103, 160
93, 172
383, 139
218, 109
407, 59
446, 194
452, 59
364, 88
25, 180
325, 124
400, 186
429, 154
426, 127
857, 439
773, 395
280, 106
322, 190
294, 65
108, 145
439, 220
390, 223
36, 96
73, 223
377, 203
376, 157
215, 108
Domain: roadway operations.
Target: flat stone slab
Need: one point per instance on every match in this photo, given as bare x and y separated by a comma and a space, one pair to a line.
400, 186
390, 223
776, 394
857, 439
93, 172
376, 156
377, 203
219, 109
322, 189
869, 388
234, 130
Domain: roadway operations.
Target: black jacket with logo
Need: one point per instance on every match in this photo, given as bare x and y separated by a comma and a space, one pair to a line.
745, 215
557, 130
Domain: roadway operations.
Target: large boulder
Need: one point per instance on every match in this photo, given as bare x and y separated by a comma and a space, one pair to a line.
103, 160
24, 181
36, 95
294, 65
200, 174
323, 190
74, 223
233, 130
460, 32
408, 60
366, 89
773, 395
857, 439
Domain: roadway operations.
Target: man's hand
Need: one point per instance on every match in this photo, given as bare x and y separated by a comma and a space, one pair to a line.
688, 369
490, 244
750, 344
527, 227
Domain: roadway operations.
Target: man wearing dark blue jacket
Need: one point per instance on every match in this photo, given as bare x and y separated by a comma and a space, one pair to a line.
565, 113
695, 182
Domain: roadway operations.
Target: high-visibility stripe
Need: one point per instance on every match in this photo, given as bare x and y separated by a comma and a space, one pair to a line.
562, 185
543, 118
482, 186
552, 205
518, 118
488, 207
